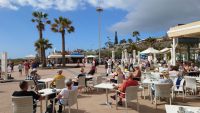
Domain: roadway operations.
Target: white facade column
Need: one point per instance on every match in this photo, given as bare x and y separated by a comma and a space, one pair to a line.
138, 57
165, 57
184, 59
4, 68
122, 59
134, 56
113, 56
171, 61
154, 58
126, 55
174, 52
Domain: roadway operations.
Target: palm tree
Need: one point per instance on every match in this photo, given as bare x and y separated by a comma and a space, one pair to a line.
122, 41
136, 34
41, 19
130, 41
62, 25
150, 41
42, 43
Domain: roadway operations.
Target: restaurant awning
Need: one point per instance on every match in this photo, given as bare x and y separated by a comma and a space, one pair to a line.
91, 56
66, 56
186, 30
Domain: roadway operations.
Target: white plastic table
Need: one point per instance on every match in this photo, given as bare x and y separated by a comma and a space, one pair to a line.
46, 81
46, 92
175, 109
107, 86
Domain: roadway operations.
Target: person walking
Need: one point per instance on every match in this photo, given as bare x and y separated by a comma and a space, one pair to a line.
20, 67
26, 67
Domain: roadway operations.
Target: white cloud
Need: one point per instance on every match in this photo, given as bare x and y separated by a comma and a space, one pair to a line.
67, 5
7, 4
158, 15
61, 5
118, 4
142, 15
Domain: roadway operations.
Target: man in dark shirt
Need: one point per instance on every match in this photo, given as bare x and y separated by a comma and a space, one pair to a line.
24, 92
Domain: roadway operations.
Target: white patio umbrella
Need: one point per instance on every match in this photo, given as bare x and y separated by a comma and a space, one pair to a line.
153, 51
150, 50
30, 57
165, 50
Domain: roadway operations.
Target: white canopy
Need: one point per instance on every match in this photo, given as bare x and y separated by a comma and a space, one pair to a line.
150, 50
30, 57
91, 56
165, 50
66, 56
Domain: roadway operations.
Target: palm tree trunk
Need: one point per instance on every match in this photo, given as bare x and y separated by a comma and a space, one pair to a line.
42, 51
63, 48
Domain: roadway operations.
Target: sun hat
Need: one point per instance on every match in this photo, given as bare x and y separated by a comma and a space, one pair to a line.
34, 70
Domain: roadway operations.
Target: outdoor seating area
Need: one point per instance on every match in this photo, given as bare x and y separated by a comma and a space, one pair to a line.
150, 89
99, 56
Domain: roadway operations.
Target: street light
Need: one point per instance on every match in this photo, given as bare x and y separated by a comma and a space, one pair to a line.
99, 10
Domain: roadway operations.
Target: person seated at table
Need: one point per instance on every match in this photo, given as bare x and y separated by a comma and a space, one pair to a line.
174, 71
57, 77
117, 73
192, 67
92, 70
35, 77
24, 92
137, 73
186, 67
82, 74
122, 88
126, 67
164, 79
65, 93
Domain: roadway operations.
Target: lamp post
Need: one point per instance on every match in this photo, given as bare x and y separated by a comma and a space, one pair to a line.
99, 10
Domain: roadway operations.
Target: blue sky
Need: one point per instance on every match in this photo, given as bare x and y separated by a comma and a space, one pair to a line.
18, 33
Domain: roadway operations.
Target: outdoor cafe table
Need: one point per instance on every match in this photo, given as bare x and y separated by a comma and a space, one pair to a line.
106, 86
46, 81
149, 83
175, 109
46, 92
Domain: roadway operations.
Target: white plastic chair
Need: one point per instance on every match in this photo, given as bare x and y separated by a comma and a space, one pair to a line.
162, 90
130, 95
179, 89
60, 84
155, 75
191, 84
96, 80
82, 82
22, 104
71, 100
